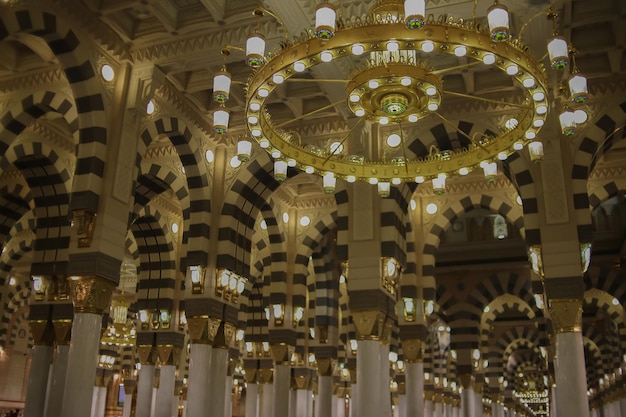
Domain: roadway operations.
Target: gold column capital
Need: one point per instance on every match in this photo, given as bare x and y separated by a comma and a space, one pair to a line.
62, 331
369, 324
302, 382
465, 380
566, 315
412, 349
251, 375
168, 354
325, 366
428, 395
198, 329
146, 355
267, 374
42, 332
129, 387
401, 388
281, 353
91, 294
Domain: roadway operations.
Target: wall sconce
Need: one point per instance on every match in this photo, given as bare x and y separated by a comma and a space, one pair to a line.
182, 320
298, 315
197, 275
390, 274
239, 335
40, 286
311, 359
409, 308
222, 278
249, 349
119, 308
84, 221
353, 346
429, 307
585, 256
266, 348
144, 319
279, 314
165, 318
155, 319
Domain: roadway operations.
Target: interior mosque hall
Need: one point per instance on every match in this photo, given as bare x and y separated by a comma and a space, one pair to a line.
312, 208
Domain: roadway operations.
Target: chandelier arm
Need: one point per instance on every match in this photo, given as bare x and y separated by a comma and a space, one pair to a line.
302, 116
309, 80
449, 123
343, 140
523, 28
462, 66
262, 10
488, 100
406, 166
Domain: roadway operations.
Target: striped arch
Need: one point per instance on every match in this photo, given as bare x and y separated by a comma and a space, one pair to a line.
49, 181
524, 344
326, 270
519, 170
249, 193
154, 180
132, 249
605, 192
393, 220
446, 137
602, 300
342, 222
19, 244
600, 137
16, 297
87, 89
593, 360
15, 201
198, 213
443, 221
20, 322
29, 109
498, 306
498, 353
156, 286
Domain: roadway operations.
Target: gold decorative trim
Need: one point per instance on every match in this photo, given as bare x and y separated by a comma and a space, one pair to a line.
280, 354
325, 366
412, 349
42, 332
566, 315
369, 324
62, 331
90, 294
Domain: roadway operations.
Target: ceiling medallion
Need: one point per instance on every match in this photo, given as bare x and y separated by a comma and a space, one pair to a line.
396, 84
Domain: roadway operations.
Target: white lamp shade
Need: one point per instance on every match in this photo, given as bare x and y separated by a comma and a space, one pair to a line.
255, 50
491, 171
325, 17
535, 151
439, 184
384, 188
498, 17
329, 182
280, 170
244, 150
578, 88
220, 121
558, 52
567, 118
414, 11
221, 85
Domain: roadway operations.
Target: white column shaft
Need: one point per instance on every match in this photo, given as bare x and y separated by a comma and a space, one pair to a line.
145, 385
198, 387
570, 375
414, 383
368, 372
324, 399
128, 405
402, 403
228, 397
282, 383
385, 389
438, 409
252, 400
302, 402
267, 399
37, 381
354, 401
217, 376
467, 402
56, 382
428, 408
165, 392
293, 403
102, 401
81, 365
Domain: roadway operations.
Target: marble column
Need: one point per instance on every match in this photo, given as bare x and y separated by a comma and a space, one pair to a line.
468, 398
41, 354
622, 406
353, 400
293, 403
267, 398
101, 401
145, 384
282, 384
414, 381
402, 405
569, 363
302, 402
428, 404
57, 380
198, 381
228, 396
252, 393
90, 296
438, 412
368, 373
217, 375
324, 399
385, 389
165, 392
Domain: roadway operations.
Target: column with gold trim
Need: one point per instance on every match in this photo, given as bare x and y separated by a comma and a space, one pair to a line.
91, 296
569, 362
41, 355
281, 353
202, 332
324, 399
414, 376
252, 392
219, 368
145, 383
56, 383
369, 325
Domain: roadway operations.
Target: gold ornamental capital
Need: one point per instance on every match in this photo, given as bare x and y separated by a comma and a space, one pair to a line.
369, 324
42, 332
325, 366
465, 380
62, 331
281, 354
412, 349
91, 294
566, 315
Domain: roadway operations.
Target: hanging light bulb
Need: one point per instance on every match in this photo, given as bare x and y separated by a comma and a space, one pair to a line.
244, 149
558, 52
220, 120
221, 85
491, 171
255, 49
329, 182
439, 184
578, 87
414, 11
535, 150
498, 17
325, 17
384, 188
567, 118
280, 170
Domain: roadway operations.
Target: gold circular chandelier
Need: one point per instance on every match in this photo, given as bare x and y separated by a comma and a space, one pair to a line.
395, 84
